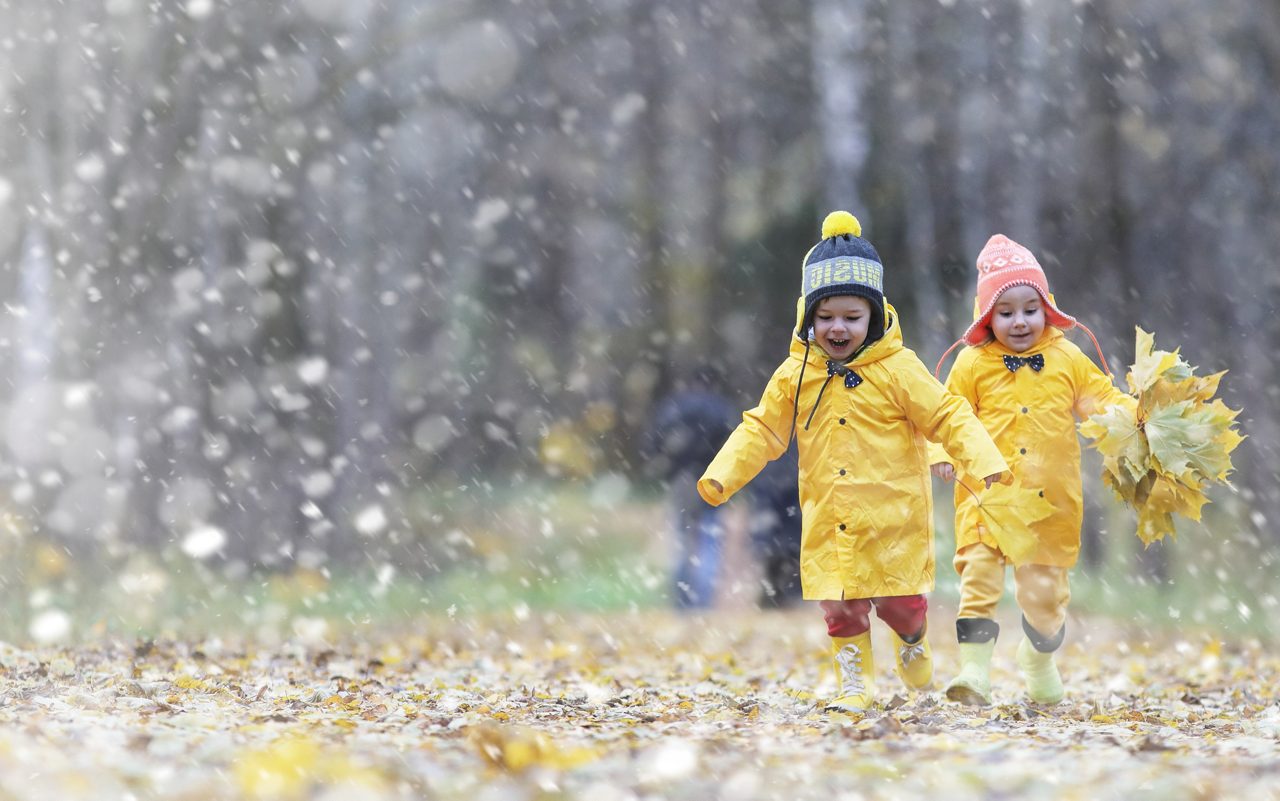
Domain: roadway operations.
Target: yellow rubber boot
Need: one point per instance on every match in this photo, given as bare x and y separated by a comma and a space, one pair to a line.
972, 686
915, 661
1044, 685
855, 671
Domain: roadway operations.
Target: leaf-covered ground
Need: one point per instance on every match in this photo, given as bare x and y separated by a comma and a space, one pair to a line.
626, 706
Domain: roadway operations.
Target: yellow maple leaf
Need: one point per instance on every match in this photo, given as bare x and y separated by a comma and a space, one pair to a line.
188, 682
1009, 511
1154, 524
1190, 439
295, 766
283, 769
1148, 364
516, 749
1118, 437
1166, 498
1185, 499
1194, 388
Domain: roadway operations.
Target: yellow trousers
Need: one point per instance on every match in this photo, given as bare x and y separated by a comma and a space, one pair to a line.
1042, 591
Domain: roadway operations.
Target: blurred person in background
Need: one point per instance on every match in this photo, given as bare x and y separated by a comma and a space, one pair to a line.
687, 429
775, 530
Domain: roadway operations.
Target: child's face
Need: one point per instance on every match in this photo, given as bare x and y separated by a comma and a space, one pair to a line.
840, 324
1018, 318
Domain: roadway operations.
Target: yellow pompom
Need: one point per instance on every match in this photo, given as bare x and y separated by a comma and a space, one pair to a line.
838, 223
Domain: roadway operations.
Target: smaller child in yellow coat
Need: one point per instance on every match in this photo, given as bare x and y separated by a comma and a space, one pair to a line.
861, 407
1028, 385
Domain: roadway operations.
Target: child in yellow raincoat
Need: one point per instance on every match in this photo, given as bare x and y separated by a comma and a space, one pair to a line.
861, 407
1028, 385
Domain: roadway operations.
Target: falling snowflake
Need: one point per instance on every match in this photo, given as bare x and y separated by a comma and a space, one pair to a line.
50, 626
199, 9
203, 542
371, 521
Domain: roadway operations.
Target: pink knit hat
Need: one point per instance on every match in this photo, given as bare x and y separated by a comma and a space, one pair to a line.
1004, 263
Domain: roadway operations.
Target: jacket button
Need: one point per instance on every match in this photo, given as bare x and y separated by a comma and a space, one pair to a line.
1024, 409
1022, 450
1041, 493
842, 471
841, 421
842, 526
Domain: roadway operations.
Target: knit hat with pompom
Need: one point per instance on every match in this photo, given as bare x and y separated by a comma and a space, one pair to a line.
843, 263
1002, 264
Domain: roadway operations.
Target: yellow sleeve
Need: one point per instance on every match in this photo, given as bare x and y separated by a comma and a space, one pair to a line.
762, 436
1094, 390
947, 418
959, 383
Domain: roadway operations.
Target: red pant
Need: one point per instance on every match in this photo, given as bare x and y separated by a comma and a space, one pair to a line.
851, 617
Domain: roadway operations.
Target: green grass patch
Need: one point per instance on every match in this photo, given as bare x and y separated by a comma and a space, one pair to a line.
534, 547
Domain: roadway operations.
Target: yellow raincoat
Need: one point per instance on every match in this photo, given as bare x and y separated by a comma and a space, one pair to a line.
865, 494
1032, 418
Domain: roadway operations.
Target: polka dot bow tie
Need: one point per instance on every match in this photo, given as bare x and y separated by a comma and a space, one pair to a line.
851, 379
1036, 362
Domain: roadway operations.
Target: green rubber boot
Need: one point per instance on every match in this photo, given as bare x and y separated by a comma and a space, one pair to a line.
972, 686
1044, 685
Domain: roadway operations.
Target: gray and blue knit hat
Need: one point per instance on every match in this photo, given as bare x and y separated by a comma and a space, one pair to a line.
843, 263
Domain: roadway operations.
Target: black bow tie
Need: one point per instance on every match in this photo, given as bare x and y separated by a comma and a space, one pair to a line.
1036, 362
851, 379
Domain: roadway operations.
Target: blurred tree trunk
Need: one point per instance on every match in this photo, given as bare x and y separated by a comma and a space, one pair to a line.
652, 321
1033, 40
838, 53
976, 114
1250, 255
1100, 232
355, 329
911, 148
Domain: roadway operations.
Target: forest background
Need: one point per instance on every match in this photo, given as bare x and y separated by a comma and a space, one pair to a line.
386, 291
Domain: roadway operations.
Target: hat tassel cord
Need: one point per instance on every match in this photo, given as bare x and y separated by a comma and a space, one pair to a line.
795, 408
937, 371
1098, 348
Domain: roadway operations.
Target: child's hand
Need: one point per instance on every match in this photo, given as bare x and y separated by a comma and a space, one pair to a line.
992, 479
944, 471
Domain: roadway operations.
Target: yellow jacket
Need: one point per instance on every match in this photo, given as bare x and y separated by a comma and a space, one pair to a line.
865, 495
1032, 418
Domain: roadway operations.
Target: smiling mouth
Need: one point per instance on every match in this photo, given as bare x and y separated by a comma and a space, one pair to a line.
838, 343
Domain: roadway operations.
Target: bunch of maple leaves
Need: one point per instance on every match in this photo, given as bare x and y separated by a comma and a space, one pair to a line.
1159, 457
